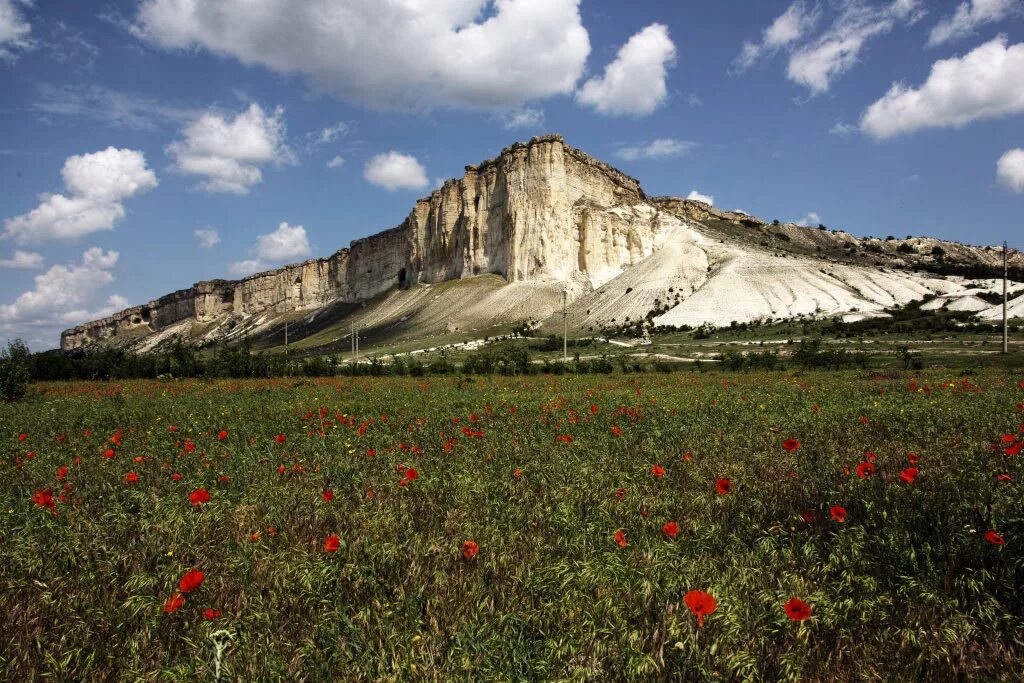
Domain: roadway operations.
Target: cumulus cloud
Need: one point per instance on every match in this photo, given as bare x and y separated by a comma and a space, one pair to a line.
986, 83
698, 197
525, 117
97, 185
820, 62
655, 149
229, 152
14, 29
395, 171
336, 162
787, 28
811, 220
474, 53
1010, 170
633, 84
63, 295
968, 17
287, 243
208, 237
23, 259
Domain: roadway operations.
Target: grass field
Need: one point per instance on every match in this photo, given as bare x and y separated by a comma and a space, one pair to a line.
530, 528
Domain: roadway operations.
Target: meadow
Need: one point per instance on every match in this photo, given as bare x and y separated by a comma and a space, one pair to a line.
685, 526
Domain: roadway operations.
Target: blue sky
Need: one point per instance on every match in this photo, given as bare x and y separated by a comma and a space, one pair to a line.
285, 130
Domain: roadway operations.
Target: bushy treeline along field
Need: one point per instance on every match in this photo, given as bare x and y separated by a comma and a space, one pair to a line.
675, 527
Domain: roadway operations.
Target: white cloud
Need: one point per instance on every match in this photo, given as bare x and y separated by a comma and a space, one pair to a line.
286, 244
98, 183
969, 16
811, 220
229, 153
698, 197
63, 296
842, 128
1010, 170
817, 64
394, 171
208, 237
336, 162
788, 28
109, 106
694, 100
410, 54
326, 136
14, 29
23, 259
525, 117
986, 83
655, 149
633, 84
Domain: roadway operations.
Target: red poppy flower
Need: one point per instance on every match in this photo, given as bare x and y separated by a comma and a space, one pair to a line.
564, 438
908, 475
192, 580
411, 474
616, 430
131, 478
332, 543
44, 498
62, 471
327, 495
994, 538
222, 435
1004, 477
797, 609
808, 516
790, 445
863, 420
1008, 438
176, 476
658, 471
518, 472
174, 603
724, 486
254, 536
620, 538
199, 497
470, 548
701, 604
670, 529
22, 437
279, 438
870, 457
865, 470
838, 513
109, 453
210, 614
621, 494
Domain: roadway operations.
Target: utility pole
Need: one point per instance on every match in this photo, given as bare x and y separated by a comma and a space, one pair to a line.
1006, 323
565, 328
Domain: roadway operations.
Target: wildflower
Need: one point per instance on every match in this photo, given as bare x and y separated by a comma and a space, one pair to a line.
1004, 477
176, 476
332, 543
109, 453
994, 538
564, 438
174, 603
279, 438
44, 498
838, 513
62, 471
222, 435
470, 548
327, 495
620, 538
670, 529
192, 580
210, 614
797, 609
411, 474
22, 437
701, 604
913, 458
790, 445
621, 494
518, 472
908, 475
865, 470
616, 430
199, 497
131, 478
658, 471
723, 486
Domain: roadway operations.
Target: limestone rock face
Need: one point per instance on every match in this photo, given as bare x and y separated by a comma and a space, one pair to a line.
540, 211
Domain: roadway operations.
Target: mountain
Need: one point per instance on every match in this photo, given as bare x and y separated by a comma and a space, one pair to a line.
500, 245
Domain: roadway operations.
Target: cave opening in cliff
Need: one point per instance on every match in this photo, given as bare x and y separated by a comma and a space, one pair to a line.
401, 279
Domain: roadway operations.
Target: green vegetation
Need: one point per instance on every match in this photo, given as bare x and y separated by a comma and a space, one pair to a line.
520, 528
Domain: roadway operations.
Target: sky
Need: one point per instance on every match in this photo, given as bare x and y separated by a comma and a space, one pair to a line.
149, 144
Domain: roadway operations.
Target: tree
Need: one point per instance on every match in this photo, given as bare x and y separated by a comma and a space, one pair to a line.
14, 373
